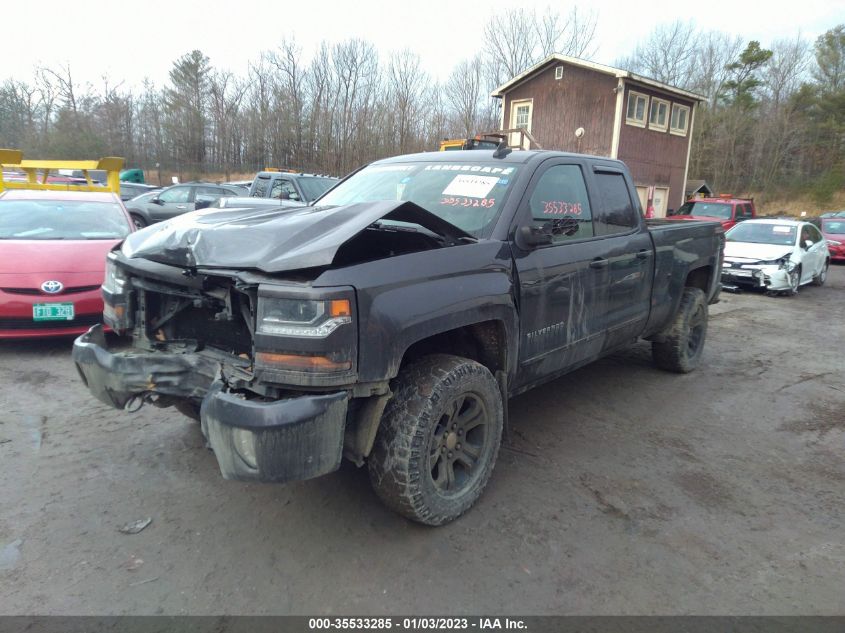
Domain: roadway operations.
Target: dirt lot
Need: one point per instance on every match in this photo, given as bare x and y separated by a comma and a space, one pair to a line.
622, 489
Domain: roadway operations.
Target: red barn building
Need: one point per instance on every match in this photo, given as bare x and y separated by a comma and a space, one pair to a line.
574, 105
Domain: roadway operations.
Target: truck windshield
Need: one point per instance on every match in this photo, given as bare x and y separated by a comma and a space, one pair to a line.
467, 195
762, 233
706, 210
61, 220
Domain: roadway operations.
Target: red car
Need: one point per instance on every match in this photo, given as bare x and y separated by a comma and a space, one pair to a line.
53, 247
726, 210
833, 230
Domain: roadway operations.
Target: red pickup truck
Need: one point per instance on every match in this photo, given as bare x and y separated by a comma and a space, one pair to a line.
726, 210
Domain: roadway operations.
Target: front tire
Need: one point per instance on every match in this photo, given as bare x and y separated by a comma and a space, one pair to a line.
438, 439
794, 282
682, 343
138, 221
819, 279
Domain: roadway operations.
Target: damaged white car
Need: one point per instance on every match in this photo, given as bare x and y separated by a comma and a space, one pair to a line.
776, 255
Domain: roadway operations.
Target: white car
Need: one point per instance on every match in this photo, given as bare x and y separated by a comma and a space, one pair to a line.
776, 255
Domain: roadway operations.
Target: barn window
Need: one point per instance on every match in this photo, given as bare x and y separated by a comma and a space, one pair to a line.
658, 118
521, 115
680, 119
637, 105
559, 72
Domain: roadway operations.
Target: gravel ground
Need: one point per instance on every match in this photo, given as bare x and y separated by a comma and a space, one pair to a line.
621, 490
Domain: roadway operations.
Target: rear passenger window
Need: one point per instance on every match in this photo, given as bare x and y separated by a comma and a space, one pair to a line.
560, 198
209, 191
616, 212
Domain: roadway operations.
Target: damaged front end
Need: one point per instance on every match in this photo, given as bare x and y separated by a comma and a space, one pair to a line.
264, 367
268, 365
772, 275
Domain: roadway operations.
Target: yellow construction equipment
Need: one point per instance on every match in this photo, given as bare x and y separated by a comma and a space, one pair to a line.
38, 172
492, 140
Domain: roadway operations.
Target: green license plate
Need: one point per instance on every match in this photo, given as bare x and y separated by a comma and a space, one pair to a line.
52, 312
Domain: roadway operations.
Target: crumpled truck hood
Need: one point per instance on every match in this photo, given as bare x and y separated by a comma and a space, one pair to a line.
272, 240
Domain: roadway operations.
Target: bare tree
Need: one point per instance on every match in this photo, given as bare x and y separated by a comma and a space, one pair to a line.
578, 38
511, 41
291, 82
407, 86
787, 69
667, 54
709, 71
226, 93
464, 95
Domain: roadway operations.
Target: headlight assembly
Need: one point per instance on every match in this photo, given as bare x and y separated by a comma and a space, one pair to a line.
302, 317
117, 299
785, 263
115, 280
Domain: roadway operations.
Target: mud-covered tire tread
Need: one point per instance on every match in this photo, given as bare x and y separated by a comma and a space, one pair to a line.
670, 353
399, 458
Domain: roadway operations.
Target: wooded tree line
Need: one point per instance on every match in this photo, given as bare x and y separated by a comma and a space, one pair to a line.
775, 117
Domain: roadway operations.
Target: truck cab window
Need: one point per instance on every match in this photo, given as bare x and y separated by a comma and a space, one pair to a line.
260, 189
617, 213
284, 189
560, 194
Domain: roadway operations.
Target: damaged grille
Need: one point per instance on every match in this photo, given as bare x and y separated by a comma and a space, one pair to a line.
214, 317
208, 328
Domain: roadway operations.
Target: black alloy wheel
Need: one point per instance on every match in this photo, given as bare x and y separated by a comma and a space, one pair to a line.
458, 441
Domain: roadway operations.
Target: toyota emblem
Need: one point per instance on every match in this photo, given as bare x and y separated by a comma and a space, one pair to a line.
52, 287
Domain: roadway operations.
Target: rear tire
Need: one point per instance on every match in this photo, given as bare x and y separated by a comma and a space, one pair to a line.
138, 221
683, 341
819, 279
438, 439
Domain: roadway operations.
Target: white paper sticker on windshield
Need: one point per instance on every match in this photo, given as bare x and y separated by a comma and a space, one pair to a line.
782, 229
471, 186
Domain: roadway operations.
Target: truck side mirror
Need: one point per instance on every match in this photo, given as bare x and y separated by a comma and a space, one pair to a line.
534, 236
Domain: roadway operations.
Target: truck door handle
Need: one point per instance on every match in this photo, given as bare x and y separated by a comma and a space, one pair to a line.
181, 206
598, 263
643, 254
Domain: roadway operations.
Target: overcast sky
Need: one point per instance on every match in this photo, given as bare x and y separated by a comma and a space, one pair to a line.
130, 41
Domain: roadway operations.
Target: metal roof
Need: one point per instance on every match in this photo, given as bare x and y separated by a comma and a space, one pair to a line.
607, 70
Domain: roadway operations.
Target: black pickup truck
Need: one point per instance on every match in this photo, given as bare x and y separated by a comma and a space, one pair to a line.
391, 321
